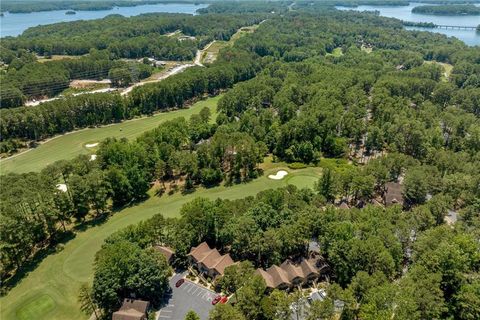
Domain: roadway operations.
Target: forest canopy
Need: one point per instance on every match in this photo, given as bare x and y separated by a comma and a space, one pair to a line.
353, 95
448, 10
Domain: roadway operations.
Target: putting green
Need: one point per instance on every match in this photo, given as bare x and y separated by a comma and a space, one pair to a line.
302, 181
60, 275
70, 145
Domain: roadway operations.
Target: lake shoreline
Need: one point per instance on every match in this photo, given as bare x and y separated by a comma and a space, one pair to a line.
14, 24
404, 13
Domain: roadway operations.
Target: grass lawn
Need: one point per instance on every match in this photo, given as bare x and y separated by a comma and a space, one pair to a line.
447, 68
337, 52
43, 304
50, 291
86, 88
57, 57
210, 54
70, 145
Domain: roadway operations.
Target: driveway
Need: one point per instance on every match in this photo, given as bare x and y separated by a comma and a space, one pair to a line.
189, 296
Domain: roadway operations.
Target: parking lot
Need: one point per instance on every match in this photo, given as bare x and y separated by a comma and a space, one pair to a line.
189, 296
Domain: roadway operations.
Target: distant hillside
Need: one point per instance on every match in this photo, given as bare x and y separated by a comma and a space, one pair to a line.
89, 5
448, 10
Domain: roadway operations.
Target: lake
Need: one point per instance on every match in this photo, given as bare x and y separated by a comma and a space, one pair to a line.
13, 24
470, 37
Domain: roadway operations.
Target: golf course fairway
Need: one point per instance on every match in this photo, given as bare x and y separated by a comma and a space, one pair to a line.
50, 290
72, 144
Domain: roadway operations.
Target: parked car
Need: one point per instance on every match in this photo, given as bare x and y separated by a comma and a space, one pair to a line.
179, 282
224, 299
216, 300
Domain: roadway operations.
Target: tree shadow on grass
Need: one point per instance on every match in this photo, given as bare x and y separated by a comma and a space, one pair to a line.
57, 245
97, 221
38, 257
104, 217
188, 191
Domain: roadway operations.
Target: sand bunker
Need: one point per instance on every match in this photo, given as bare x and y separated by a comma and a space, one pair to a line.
279, 175
93, 157
91, 145
62, 187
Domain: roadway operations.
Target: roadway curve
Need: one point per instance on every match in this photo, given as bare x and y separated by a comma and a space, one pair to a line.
176, 70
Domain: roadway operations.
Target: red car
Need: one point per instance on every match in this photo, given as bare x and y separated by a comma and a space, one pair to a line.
179, 282
216, 300
224, 299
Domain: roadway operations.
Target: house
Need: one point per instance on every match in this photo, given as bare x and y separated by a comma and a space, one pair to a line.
376, 203
393, 194
343, 205
132, 310
167, 252
158, 63
290, 274
153, 62
183, 38
209, 261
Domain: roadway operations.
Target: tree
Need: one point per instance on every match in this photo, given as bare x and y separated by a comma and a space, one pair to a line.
200, 214
321, 310
277, 306
98, 189
122, 269
85, 298
467, 301
120, 77
378, 303
161, 171
452, 256
120, 186
416, 185
191, 315
236, 276
439, 205
250, 297
420, 295
225, 312
205, 114
326, 185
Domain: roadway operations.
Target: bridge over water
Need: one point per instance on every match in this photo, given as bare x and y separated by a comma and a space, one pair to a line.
441, 26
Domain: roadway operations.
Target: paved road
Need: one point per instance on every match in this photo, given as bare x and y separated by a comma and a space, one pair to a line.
189, 296
37, 102
167, 74
176, 70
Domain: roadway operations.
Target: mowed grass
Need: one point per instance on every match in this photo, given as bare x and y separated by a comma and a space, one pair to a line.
70, 145
43, 304
210, 54
50, 291
57, 57
447, 68
337, 52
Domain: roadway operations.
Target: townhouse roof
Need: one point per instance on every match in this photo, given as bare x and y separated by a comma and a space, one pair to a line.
292, 271
131, 309
165, 251
211, 258
200, 251
223, 262
279, 276
394, 193
287, 272
266, 276
308, 268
